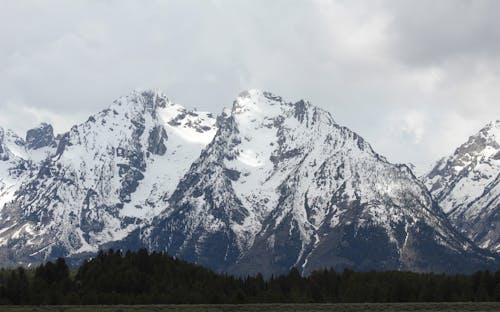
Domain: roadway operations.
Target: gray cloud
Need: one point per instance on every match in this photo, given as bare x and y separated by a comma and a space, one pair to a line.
414, 78
435, 32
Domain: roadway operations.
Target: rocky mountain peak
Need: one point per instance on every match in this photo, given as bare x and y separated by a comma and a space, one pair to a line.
254, 101
152, 100
41, 136
147, 108
467, 186
270, 110
483, 144
139, 102
482, 147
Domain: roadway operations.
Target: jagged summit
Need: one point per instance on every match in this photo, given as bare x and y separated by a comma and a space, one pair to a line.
41, 136
256, 103
467, 186
482, 144
480, 152
142, 101
253, 101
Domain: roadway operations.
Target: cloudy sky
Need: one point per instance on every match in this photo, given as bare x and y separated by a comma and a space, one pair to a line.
415, 78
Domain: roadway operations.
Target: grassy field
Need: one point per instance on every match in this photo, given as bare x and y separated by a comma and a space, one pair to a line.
266, 307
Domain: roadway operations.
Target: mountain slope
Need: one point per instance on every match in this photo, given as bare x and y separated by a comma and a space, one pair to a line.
467, 186
283, 185
101, 179
12, 164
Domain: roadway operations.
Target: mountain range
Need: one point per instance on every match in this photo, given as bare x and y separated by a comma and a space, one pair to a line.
265, 186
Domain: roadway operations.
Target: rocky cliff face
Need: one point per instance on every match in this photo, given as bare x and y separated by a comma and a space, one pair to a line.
40, 137
467, 186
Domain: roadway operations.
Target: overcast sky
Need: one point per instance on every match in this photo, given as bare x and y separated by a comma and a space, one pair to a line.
415, 78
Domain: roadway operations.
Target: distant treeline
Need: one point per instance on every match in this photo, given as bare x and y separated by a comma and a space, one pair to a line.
142, 278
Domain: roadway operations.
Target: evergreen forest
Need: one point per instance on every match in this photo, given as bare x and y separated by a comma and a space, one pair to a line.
113, 277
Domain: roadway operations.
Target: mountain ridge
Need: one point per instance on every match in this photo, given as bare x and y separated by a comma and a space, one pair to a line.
266, 186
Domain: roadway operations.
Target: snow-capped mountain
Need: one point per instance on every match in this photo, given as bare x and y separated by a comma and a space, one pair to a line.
467, 186
283, 185
266, 186
98, 181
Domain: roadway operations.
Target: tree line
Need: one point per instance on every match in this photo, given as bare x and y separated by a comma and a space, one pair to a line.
146, 278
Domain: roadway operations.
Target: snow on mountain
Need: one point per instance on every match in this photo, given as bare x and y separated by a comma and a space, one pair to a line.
101, 179
12, 166
467, 186
283, 185
266, 186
